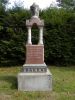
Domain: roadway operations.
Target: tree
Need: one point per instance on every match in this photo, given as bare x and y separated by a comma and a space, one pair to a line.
69, 4
3, 3
59, 35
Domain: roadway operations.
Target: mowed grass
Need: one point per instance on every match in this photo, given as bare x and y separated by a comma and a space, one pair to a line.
63, 85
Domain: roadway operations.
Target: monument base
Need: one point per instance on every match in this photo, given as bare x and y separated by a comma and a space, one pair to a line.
35, 68
35, 81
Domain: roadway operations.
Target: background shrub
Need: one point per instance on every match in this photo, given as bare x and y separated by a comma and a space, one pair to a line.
59, 35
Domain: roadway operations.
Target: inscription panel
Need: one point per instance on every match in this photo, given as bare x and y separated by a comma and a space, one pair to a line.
28, 70
34, 54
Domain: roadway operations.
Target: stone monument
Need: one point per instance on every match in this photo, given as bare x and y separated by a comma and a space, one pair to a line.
35, 75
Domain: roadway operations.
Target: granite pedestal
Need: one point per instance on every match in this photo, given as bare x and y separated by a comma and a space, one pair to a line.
35, 81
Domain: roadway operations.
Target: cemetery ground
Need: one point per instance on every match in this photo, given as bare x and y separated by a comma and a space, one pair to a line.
63, 85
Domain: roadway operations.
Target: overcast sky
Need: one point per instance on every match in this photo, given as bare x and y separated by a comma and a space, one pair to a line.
27, 3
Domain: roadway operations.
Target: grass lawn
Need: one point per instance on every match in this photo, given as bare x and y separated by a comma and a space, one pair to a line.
63, 85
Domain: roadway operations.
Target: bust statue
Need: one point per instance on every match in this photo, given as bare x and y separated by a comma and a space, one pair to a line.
35, 10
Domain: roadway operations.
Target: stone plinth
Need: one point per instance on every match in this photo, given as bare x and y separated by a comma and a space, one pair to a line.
34, 54
35, 81
28, 68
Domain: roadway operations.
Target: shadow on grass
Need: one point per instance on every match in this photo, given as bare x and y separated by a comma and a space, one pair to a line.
11, 80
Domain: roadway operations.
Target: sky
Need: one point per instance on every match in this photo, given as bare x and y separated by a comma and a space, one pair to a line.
27, 3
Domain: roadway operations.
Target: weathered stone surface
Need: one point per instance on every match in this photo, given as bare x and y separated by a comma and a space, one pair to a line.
33, 21
34, 68
35, 81
34, 54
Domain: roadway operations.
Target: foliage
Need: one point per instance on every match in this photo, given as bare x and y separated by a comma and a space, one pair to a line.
69, 4
59, 35
12, 36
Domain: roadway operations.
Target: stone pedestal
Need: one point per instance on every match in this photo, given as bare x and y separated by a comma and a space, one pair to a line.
35, 81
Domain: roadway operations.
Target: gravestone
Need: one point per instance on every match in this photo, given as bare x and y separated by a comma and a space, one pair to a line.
35, 75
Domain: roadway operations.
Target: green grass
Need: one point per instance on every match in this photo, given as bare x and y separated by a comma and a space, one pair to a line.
63, 85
